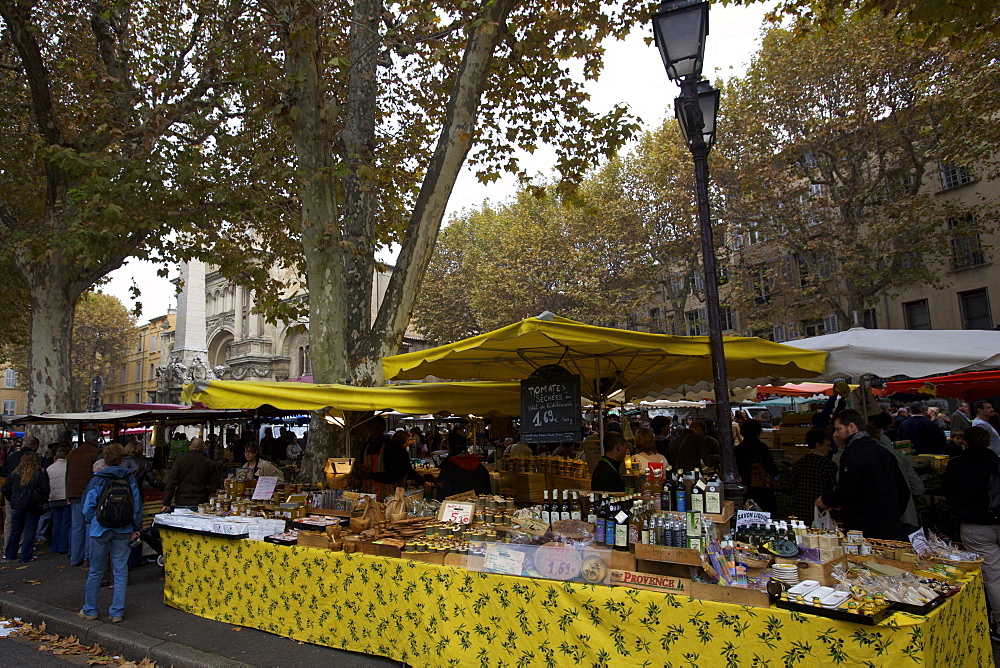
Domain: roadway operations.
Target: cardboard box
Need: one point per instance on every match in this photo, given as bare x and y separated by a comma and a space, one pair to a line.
736, 595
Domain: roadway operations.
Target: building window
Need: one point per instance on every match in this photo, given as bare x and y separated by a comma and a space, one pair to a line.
9, 406
727, 317
138, 372
697, 322
869, 320
124, 376
975, 306
305, 364
138, 344
10, 378
654, 320
830, 324
917, 315
763, 282
152, 371
966, 248
953, 176
152, 343
699, 282
676, 284
778, 334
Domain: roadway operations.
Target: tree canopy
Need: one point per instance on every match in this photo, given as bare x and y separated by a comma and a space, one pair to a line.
108, 109
836, 144
584, 257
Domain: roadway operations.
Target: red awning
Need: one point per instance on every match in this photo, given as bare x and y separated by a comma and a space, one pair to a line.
973, 385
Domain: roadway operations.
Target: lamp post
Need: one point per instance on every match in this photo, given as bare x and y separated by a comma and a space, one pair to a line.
679, 31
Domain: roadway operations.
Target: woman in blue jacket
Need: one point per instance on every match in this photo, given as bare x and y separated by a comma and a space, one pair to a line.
110, 541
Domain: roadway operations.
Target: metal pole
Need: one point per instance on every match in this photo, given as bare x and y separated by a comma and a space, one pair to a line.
699, 151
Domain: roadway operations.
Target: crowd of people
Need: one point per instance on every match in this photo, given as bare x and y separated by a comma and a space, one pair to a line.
86, 502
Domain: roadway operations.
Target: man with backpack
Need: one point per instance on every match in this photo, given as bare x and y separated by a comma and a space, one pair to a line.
112, 509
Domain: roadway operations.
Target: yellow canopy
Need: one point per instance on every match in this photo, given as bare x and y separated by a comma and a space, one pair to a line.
637, 362
484, 398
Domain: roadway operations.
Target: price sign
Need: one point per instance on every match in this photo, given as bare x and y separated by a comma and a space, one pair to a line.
558, 562
459, 512
550, 410
530, 525
503, 559
265, 488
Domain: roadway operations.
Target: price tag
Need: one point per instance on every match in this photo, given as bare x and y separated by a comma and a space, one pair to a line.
501, 558
459, 512
558, 562
265, 488
530, 525
621, 516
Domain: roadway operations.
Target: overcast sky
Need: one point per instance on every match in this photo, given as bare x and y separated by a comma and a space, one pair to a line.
633, 75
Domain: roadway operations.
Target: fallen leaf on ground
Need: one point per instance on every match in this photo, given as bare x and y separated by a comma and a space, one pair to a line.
33, 582
236, 628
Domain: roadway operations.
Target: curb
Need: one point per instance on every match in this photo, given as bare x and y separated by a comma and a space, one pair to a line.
113, 638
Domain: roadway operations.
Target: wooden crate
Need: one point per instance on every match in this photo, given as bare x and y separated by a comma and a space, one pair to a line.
562, 482
822, 573
736, 595
313, 539
673, 555
526, 488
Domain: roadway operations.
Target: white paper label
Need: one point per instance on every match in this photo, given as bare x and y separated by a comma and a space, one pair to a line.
621, 517
919, 542
459, 512
747, 517
265, 488
501, 559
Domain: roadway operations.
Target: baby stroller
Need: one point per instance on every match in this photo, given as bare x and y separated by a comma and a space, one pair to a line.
151, 537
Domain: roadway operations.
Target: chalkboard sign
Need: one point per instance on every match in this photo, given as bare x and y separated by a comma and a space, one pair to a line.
550, 410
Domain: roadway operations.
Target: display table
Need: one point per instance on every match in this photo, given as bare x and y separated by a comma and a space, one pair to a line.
429, 615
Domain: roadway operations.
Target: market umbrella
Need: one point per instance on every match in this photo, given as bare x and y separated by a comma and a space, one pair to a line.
916, 353
968, 386
484, 398
606, 359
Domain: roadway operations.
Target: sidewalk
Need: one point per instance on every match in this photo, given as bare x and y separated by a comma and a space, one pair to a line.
50, 590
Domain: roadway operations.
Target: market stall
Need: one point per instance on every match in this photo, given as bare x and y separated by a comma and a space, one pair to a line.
429, 614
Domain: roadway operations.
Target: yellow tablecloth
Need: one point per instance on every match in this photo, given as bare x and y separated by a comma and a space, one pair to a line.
428, 615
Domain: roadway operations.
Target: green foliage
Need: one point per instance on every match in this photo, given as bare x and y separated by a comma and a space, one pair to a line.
104, 332
584, 258
962, 24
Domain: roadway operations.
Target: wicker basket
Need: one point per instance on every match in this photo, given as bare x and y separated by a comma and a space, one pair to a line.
757, 563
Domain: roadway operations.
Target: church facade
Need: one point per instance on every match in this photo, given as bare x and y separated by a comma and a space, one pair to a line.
218, 336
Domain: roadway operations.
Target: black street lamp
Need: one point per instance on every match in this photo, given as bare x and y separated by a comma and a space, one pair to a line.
679, 31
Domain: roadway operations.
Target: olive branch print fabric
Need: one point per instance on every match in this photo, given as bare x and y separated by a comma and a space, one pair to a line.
429, 615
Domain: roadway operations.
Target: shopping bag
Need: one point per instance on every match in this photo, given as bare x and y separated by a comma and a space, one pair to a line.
822, 520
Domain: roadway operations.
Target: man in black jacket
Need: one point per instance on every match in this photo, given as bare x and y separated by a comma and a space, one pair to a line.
967, 488
926, 436
606, 477
872, 491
